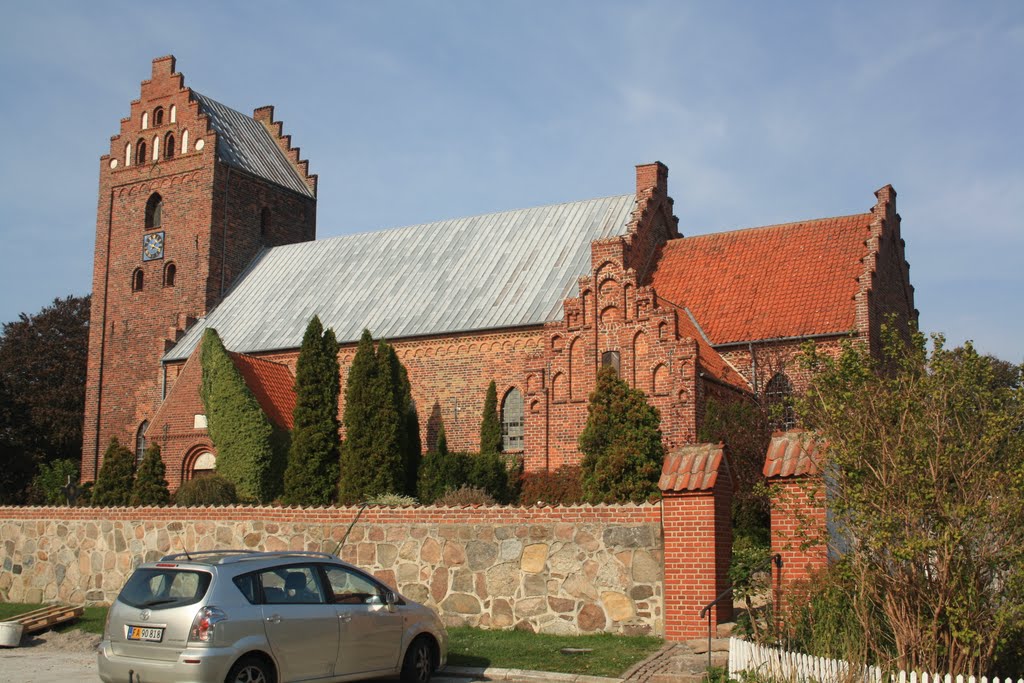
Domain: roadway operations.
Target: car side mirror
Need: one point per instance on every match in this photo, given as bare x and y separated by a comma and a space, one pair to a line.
390, 600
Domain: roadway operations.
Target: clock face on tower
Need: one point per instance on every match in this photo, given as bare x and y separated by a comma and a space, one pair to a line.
153, 246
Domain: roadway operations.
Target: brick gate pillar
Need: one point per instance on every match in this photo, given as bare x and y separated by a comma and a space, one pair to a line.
697, 524
799, 521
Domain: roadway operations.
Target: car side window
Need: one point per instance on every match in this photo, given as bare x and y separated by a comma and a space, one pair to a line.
292, 585
352, 588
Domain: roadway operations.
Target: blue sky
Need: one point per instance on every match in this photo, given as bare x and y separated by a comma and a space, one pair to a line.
416, 111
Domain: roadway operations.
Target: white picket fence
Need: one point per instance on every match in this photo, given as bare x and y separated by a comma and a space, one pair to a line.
794, 667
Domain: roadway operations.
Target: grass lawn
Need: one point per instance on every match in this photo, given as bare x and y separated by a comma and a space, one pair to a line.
610, 655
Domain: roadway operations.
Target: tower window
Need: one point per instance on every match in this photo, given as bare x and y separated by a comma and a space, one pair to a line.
128, 154
174, 114
169, 146
145, 120
778, 396
512, 421
158, 116
140, 442
156, 148
140, 152
170, 271
154, 209
137, 280
610, 358
184, 141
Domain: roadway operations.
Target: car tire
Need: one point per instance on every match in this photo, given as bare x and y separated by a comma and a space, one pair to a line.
250, 669
418, 665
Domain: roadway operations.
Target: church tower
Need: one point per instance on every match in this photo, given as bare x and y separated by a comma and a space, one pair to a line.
190, 193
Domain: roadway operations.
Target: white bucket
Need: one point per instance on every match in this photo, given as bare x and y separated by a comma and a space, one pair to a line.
10, 633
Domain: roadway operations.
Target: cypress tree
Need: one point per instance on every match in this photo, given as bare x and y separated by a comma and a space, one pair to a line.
313, 456
238, 427
621, 443
371, 462
113, 485
151, 483
412, 447
490, 426
437, 471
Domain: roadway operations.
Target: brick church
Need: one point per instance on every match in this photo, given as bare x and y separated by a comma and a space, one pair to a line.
207, 219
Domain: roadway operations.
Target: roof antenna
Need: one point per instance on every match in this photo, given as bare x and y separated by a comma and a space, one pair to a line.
362, 506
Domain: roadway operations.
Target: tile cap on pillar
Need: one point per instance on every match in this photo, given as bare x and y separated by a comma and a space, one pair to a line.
794, 453
693, 468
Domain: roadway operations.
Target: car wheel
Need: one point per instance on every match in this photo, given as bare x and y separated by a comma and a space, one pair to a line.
251, 669
419, 662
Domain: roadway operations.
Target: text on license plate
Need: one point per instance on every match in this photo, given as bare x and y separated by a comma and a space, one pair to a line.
141, 633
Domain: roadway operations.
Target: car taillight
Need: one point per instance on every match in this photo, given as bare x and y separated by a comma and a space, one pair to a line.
205, 624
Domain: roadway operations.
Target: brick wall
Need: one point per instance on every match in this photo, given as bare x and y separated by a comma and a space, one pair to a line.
558, 570
798, 530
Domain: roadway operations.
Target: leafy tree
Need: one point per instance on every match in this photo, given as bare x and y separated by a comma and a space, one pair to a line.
371, 461
239, 429
42, 391
925, 467
117, 473
490, 425
621, 443
150, 482
48, 484
313, 458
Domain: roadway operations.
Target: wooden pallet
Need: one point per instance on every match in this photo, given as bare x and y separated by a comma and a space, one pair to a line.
47, 617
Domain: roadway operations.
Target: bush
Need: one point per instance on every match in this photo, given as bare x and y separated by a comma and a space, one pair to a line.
150, 485
117, 473
490, 425
393, 500
465, 495
563, 486
209, 490
48, 484
489, 472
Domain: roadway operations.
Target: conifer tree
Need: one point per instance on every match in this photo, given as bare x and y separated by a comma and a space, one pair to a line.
150, 483
371, 461
312, 470
113, 485
412, 447
440, 471
490, 425
621, 443
238, 427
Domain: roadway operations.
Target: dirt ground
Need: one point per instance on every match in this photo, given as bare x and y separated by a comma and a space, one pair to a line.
68, 657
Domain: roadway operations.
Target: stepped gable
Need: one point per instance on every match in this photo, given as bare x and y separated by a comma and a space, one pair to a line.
249, 144
273, 386
496, 271
779, 281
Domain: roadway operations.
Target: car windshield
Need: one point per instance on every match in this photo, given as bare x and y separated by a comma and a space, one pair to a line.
164, 588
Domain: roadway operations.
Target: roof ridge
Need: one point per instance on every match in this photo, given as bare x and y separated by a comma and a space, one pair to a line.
691, 237
219, 103
396, 228
249, 356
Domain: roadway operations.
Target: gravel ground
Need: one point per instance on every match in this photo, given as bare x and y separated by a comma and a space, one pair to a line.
68, 657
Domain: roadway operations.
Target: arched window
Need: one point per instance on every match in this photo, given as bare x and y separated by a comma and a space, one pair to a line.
140, 152
145, 120
128, 154
264, 223
170, 271
611, 358
174, 114
158, 116
154, 209
169, 146
184, 141
512, 421
137, 280
156, 148
205, 465
140, 442
778, 397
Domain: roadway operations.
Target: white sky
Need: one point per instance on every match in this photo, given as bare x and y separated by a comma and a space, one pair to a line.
417, 111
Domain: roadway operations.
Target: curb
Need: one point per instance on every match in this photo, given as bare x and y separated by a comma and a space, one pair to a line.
522, 675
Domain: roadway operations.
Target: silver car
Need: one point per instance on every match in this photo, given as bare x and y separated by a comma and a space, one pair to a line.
236, 616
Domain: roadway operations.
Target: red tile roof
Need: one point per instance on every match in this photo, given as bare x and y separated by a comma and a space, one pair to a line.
692, 468
710, 360
793, 453
786, 280
272, 384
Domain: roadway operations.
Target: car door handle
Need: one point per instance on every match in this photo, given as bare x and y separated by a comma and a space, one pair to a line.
345, 617
274, 619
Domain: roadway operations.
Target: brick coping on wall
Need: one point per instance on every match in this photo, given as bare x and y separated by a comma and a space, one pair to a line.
628, 513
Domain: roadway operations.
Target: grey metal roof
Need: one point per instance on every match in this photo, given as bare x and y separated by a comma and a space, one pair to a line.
244, 143
494, 271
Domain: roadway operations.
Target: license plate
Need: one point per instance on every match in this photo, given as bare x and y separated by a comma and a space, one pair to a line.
144, 633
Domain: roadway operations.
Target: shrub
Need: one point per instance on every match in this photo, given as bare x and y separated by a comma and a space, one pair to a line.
209, 490
117, 473
489, 472
440, 471
393, 500
150, 485
465, 495
48, 484
563, 486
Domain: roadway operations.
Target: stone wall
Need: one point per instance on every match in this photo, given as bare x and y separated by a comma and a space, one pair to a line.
550, 569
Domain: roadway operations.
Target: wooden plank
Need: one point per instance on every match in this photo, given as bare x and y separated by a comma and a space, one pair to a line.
48, 617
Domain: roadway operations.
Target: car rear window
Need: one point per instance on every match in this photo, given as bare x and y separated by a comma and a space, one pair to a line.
164, 588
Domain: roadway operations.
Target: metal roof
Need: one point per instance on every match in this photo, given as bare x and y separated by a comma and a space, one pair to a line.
244, 143
499, 270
